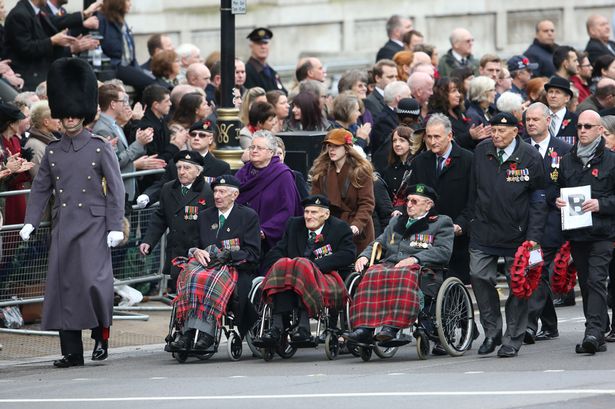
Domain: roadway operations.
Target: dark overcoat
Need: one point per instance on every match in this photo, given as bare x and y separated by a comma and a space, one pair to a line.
79, 287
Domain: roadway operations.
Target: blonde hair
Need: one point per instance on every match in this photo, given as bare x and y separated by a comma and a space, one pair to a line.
247, 101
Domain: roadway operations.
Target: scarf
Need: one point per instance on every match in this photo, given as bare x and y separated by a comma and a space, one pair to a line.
586, 152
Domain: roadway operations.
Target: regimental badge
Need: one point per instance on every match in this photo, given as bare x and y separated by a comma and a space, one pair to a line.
214, 226
420, 188
323, 251
222, 181
191, 212
317, 201
187, 156
554, 175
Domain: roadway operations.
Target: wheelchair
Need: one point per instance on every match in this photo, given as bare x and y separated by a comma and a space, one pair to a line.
233, 346
325, 333
447, 318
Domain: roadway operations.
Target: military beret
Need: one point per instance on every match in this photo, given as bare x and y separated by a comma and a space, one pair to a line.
188, 156
423, 190
204, 125
316, 200
10, 113
260, 35
504, 119
226, 180
338, 137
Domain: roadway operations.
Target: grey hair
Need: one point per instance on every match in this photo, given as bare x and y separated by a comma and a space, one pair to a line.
38, 112
24, 99
608, 122
440, 119
394, 89
268, 137
541, 106
478, 88
509, 102
392, 23
185, 50
41, 90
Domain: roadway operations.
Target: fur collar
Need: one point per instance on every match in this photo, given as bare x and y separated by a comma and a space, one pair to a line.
418, 226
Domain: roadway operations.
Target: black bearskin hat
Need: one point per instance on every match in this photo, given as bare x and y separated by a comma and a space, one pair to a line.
72, 89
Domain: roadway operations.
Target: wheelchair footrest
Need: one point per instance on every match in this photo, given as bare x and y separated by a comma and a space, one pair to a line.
396, 342
311, 343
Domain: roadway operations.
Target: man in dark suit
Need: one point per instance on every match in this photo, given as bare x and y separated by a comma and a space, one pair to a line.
258, 72
314, 248
234, 231
599, 43
446, 167
540, 304
397, 26
384, 72
200, 139
541, 50
182, 202
563, 123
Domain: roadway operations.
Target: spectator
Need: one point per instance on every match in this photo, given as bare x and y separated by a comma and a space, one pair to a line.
188, 54
463, 75
396, 27
281, 106
240, 77
430, 50
599, 43
482, 97
118, 44
41, 90
403, 59
258, 72
198, 75
355, 81
306, 114
604, 67
412, 39
504, 82
541, 50
383, 72
608, 122
421, 88
521, 72
604, 98
563, 122
342, 175
536, 91
566, 62
512, 103
155, 44
582, 80
346, 113
396, 172
256, 94
387, 119
44, 130
490, 65
166, 68
310, 68
192, 107
262, 116
460, 53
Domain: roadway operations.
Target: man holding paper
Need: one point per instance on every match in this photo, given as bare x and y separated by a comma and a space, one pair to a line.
590, 164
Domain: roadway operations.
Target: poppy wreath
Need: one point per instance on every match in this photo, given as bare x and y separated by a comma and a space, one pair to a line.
524, 280
564, 272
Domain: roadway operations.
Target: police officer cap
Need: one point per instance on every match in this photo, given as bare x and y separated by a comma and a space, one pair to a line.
9, 113
504, 119
423, 190
316, 200
408, 107
260, 35
226, 180
202, 125
188, 156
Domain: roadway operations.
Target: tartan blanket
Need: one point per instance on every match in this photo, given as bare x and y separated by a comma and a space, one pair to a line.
300, 275
203, 291
386, 296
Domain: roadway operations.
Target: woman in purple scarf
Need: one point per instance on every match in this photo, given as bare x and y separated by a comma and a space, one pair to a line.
268, 186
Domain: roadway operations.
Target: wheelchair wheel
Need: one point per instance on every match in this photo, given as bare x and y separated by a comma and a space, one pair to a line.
180, 356
233, 346
253, 333
285, 349
352, 281
332, 345
422, 345
454, 317
385, 353
366, 353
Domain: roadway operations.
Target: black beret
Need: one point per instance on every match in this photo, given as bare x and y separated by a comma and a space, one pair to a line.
423, 190
188, 156
504, 119
260, 35
72, 89
204, 125
226, 180
315, 200
10, 113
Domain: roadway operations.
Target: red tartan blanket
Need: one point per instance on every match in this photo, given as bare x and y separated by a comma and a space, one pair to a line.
386, 296
316, 290
203, 291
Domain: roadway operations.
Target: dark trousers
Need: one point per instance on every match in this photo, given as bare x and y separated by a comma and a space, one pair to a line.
592, 261
540, 305
70, 340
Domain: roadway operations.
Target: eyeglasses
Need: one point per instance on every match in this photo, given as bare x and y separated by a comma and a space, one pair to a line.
585, 126
123, 101
585, 65
199, 134
258, 148
414, 202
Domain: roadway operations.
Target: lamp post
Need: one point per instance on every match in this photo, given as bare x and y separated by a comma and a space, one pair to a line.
228, 125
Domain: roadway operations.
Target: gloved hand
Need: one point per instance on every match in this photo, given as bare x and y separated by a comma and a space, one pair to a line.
114, 238
142, 201
25, 232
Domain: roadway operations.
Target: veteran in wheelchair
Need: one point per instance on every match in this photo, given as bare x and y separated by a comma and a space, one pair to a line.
303, 281
214, 283
407, 284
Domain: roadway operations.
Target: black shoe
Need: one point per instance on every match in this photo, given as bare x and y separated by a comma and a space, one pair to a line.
301, 334
100, 352
530, 336
489, 345
205, 341
386, 334
610, 337
545, 335
272, 336
566, 300
507, 351
360, 335
438, 349
590, 345
184, 341
69, 360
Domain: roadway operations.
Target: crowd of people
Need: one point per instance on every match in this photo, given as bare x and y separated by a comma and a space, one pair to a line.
480, 145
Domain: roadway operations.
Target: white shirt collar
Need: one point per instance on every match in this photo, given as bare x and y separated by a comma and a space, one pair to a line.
397, 42
36, 9
380, 91
225, 214
542, 145
317, 231
508, 151
54, 10
559, 114
458, 56
188, 186
448, 151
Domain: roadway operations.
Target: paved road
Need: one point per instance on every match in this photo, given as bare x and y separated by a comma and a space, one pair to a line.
548, 375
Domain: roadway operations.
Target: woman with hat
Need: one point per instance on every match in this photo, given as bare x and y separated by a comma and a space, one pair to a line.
419, 237
10, 153
347, 179
224, 262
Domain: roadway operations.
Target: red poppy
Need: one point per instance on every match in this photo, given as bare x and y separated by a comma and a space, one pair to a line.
565, 123
447, 162
206, 124
525, 61
554, 154
513, 166
466, 119
202, 202
348, 139
595, 173
319, 238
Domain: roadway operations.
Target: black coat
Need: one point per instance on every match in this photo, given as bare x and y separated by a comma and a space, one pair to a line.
242, 224
265, 77
393, 176
374, 103
294, 243
505, 213
552, 237
383, 207
599, 173
541, 54
596, 48
384, 125
174, 213
388, 50
461, 130
567, 131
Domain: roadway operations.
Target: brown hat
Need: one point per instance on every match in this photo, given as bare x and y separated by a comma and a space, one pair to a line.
338, 137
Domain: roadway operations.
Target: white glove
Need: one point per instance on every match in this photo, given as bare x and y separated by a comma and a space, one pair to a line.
25, 232
142, 201
114, 238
